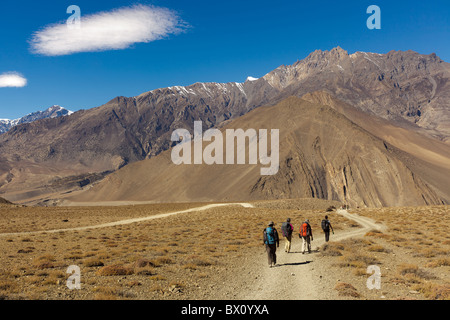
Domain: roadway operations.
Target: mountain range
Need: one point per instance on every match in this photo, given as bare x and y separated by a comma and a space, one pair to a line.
390, 112
52, 112
322, 154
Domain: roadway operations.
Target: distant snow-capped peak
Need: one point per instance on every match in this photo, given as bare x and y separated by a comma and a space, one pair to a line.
249, 78
54, 111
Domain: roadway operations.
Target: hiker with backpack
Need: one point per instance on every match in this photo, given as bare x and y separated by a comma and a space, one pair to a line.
287, 229
306, 235
271, 241
326, 225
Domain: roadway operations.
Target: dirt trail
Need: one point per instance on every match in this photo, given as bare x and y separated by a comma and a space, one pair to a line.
294, 277
128, 221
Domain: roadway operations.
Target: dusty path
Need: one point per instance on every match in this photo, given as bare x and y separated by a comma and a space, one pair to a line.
294, 277
128, 221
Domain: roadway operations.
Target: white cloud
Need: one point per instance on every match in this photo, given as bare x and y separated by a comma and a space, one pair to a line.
12, 79
112, 30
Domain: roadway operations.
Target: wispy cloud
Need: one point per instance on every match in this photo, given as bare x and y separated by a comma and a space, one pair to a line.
12, 79
112, 30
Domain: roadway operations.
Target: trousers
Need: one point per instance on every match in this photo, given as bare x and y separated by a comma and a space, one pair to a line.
306, 244
271, 253
327, 235
287, 243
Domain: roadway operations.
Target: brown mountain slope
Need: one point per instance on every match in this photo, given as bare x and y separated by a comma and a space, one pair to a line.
401, 86
55, 155
51, 155
431, 157
5, 202
322, 155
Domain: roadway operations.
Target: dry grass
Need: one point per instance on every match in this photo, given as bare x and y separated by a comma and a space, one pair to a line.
346, 289
44, 262
179, 255
93, 262
19, 219
354, 256
332, 249
155, 259
413, 253
115, 270
434, 291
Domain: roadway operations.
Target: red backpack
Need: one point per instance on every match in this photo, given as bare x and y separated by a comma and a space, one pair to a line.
304, 230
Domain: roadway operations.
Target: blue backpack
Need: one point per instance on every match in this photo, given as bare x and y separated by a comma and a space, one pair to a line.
270, 236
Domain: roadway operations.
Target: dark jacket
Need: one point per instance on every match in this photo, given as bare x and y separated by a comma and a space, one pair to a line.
287, 229
326, 225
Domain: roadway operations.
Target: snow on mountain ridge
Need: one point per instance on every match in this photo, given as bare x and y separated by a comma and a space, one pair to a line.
52, 112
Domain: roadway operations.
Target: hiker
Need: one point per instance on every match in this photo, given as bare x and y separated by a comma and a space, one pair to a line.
306, 235
326, 225
271, 241
287, 229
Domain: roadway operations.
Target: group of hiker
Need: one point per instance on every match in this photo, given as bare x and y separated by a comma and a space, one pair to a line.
272, 240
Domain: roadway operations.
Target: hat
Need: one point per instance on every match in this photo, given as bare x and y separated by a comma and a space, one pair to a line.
270, 223
288, 220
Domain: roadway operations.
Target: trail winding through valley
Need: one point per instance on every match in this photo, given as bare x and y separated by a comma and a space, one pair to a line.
128, 221
294, 277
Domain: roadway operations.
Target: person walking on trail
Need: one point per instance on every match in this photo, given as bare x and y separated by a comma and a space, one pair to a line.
306, 235
271, 242
326, 226
287, 229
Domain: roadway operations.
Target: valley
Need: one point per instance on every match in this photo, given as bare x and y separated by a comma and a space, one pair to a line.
147, 209
187, 254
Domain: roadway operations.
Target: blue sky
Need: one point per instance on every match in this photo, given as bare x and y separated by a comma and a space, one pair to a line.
222, 41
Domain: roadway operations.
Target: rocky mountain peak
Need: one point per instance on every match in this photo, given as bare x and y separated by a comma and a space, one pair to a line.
52, 112
320, 57
336, 53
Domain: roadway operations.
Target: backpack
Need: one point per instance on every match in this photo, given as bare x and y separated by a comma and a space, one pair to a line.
325, 225
269, 235
286, 229
304, 230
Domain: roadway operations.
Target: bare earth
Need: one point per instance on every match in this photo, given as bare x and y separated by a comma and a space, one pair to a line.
126, 221
201, 251
296, 276
256, 281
